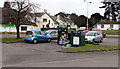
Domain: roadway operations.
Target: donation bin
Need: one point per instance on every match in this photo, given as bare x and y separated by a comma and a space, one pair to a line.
77, 38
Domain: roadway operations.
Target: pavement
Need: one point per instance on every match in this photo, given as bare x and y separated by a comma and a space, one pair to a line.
10, 35
112, 35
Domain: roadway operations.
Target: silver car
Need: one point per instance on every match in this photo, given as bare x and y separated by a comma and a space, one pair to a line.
53, 33
93, 36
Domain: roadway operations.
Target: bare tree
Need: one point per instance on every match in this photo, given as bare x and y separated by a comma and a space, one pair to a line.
21, 8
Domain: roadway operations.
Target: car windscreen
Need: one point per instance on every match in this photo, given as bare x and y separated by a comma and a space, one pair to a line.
90, 34
28, 32
47, 32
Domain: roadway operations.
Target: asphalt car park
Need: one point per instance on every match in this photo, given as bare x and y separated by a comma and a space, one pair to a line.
45, 55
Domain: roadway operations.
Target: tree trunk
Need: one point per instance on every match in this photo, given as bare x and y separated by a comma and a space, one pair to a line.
18, 34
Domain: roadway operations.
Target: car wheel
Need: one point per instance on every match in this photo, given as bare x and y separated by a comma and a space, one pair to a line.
104, 36
35, 41
48, 40
93, 42
26, 41
101, 41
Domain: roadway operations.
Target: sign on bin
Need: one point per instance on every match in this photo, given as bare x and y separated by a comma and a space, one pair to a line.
76, 40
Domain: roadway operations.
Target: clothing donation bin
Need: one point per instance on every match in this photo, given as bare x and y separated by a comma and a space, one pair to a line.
77, 38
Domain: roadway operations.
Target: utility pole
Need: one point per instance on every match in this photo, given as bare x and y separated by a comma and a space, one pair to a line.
87, 14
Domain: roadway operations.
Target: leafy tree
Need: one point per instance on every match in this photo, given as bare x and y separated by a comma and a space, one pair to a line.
95, 18
18, 11
81, 21
73, 17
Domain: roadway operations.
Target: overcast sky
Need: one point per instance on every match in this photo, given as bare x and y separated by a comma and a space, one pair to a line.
69, 6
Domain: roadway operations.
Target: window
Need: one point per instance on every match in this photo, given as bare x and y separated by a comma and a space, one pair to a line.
111, 25
29, 32
23, 28
38, 32
53, 32
44, 20
102, 25
52, 24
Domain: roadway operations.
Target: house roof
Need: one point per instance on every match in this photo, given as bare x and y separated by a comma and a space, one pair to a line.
52, 17
109, 22
64, 19
37, 14
42, 13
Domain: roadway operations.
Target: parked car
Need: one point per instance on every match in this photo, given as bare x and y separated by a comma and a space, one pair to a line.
35, 36
85, 31
93, 36
52, 33
103, 34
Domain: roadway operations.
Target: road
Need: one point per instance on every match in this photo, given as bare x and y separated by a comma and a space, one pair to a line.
45, 55
110, 41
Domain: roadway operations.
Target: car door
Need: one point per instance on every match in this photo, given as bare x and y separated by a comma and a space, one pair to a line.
40, 36
99, 36
96, 36
43, 36
53, 34
56, 34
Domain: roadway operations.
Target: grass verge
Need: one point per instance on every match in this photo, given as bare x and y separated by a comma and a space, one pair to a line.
112, 32
89, 47
11, 39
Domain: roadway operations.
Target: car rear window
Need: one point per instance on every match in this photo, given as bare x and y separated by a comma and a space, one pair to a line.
28, 32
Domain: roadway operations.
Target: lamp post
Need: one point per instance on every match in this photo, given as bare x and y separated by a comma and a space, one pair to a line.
87, 14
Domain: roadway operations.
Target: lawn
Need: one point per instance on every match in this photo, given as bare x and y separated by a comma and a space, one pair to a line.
11, 39
112, 32
89, 47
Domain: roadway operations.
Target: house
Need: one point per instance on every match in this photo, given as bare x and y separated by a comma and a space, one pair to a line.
67, 20
43, 20
108, 25
8, 26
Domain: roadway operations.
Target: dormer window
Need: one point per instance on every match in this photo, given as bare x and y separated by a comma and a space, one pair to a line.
44, 20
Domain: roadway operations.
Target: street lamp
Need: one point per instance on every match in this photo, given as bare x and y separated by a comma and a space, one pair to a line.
87, 14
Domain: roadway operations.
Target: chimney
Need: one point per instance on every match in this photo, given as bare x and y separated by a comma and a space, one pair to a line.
6, 4
45, 10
